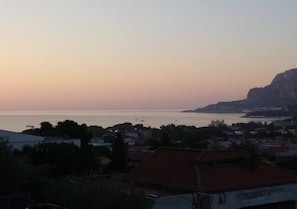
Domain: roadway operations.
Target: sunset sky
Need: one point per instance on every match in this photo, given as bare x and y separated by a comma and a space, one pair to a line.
92, 54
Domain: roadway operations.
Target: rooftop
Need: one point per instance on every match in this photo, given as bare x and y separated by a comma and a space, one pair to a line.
207, 171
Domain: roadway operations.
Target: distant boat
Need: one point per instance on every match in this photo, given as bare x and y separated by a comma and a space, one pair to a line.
136, 119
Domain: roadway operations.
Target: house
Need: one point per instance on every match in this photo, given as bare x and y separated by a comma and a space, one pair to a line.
217, 123
100, 142
186, 179
18, 140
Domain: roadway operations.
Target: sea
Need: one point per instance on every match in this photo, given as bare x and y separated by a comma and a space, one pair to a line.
21, 120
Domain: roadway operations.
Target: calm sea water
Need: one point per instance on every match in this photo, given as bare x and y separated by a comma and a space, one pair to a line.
19, 120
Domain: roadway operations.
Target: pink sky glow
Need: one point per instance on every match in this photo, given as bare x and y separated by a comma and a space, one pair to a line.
155, 54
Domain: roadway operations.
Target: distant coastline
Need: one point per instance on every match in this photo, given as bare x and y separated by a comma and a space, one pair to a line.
212, 111
18, 120
278, 99
263, 112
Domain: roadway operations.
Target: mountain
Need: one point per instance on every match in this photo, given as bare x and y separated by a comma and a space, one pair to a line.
282, 91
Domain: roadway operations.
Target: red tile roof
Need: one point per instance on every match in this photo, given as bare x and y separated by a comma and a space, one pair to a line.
138, 155
165, 168
213, 171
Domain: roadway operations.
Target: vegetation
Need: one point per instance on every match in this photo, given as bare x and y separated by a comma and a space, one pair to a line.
64, 159
60, 174
119, 156
188, 136
15, 171
67, 128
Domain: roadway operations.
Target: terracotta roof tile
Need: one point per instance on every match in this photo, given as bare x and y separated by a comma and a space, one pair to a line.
230, 177
165, 168
220, 156
138, 155
206, 171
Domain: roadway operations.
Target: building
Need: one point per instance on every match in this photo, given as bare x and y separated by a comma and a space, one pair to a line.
100, 142
217, 123
186, 179
18, 140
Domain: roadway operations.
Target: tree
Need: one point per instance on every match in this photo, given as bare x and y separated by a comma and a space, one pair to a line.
166, 140
45, 127
69, 128
64, 159
119, 156
15, 171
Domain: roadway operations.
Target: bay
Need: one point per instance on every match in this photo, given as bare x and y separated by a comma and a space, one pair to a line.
21, 120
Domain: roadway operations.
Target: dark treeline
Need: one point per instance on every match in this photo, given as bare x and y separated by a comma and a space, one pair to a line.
65, 159
67, 175
20, 174
67, 128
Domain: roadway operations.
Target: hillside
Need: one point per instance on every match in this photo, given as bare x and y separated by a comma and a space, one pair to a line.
281, 91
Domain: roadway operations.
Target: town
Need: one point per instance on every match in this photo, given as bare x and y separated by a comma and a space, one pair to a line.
170, 167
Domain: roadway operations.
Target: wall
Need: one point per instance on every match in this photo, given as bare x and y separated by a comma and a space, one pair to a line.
252, 197
173, 202
230, 200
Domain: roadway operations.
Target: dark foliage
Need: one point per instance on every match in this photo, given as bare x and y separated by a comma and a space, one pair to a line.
287, 162
15, 171
96, 195
67, 129
119, 156
64, 159
18, 176
71, 129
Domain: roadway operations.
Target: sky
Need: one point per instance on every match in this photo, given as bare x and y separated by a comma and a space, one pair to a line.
105, 54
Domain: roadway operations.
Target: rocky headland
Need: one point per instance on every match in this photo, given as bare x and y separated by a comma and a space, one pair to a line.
278, 96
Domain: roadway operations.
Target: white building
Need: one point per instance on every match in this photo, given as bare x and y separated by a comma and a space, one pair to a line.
100, 142
18, 140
